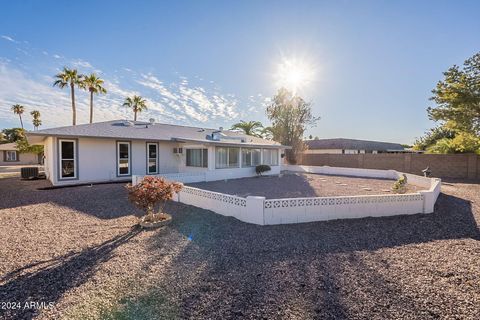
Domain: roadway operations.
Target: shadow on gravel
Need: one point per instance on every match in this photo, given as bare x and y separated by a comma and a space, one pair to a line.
104, 201
237, 270
49, 280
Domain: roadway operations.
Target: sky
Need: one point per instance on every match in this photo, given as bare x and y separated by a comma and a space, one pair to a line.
368, 66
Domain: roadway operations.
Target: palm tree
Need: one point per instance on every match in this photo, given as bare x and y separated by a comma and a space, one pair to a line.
72, 78
269, 133
251, 128
19, 109
93, 84
36, 123
36, 119
137, 104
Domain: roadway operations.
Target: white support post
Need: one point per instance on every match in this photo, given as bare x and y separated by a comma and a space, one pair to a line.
254, 211
428, 201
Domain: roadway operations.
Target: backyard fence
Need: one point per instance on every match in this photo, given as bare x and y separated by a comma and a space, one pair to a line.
262, 211
464, 166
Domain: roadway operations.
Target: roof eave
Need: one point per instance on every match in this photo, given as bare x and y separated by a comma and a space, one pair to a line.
228, 143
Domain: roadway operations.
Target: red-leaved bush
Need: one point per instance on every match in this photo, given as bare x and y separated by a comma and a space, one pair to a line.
152, 191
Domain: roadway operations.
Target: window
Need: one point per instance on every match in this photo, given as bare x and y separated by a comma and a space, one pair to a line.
226, 157
68, 159
270, 157
197, 158
11, 155
250, 157
152, 158
123, 157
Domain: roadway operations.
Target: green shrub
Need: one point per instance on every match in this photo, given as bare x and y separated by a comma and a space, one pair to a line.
400, 186
261, 168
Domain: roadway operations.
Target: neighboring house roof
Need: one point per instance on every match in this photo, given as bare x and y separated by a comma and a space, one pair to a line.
138, 130
352, 144
8, 146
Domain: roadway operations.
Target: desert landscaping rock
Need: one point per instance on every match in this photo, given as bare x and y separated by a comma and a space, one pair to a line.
296, 185
81, 249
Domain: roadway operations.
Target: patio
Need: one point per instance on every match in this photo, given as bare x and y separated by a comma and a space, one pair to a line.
296, 185
79, 248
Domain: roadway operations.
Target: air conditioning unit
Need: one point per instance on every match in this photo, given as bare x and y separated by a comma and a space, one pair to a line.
178, 151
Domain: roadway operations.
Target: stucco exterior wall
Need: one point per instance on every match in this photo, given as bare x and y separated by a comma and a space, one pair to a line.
97, 161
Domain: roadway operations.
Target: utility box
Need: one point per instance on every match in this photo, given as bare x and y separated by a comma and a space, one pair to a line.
29, 172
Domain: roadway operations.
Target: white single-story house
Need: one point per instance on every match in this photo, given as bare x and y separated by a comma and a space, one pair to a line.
116, 150
350, 146
10, 156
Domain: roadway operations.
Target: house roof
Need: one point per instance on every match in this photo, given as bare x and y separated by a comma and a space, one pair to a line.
353, 144
8, 146
139, 130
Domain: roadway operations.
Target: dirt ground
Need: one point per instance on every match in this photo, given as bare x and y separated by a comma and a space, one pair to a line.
80, 250
297, 185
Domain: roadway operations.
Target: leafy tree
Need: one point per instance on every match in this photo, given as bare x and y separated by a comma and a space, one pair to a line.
310, 137
267, 133
316, 138
13, 134
94, 85
137, 104
69, 77
3, 138
36, 119
432, 136
290, 116
458, 97
463, 142
24, 147
17, 136
18, 109
251, 128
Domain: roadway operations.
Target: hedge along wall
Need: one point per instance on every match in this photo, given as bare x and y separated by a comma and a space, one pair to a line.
464, 166
258, 210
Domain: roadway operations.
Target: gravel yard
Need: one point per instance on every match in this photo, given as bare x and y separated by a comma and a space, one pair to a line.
79, 249
296, 185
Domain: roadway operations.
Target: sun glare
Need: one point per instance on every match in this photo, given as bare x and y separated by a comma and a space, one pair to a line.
294, 74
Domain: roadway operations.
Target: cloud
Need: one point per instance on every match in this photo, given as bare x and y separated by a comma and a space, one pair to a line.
8, 38
79, 63
192, 102
178, 101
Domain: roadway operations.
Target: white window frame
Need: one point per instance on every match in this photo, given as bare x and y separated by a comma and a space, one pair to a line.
148, 157
10, 159
251, 157
60, 159
239, 157
129, 159
277, 162
202, 157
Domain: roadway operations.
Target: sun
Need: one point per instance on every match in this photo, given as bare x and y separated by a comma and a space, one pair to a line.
294, 74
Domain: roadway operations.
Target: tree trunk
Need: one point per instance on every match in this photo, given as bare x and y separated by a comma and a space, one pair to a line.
21, 121
135, 115
91, 106
74, 110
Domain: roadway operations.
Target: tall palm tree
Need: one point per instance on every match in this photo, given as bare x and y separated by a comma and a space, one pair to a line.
69, 77
36, 119
19, 109
251, 128
137, 104
93, 84
36, 123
